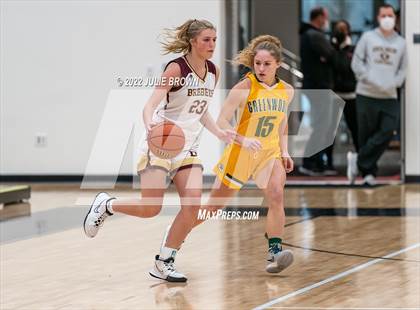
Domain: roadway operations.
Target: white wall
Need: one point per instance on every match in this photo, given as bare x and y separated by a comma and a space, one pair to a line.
59, 63
412, 90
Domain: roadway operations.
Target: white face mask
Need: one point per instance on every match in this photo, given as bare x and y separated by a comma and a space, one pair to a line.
326, 26
348, 40
387, 23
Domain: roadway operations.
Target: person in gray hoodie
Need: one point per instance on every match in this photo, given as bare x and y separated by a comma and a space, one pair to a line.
379, 63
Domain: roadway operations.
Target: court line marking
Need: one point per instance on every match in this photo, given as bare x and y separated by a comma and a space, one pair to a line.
335, 277
348, 254
335, 308
304, 219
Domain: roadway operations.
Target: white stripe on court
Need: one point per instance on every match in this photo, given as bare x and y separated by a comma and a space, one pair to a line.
333, 278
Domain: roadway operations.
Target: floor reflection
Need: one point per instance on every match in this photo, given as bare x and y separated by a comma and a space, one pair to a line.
171, 296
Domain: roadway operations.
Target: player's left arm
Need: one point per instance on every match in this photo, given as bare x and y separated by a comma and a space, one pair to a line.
283, 134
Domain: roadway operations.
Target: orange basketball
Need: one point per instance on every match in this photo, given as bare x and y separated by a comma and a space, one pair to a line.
166, 140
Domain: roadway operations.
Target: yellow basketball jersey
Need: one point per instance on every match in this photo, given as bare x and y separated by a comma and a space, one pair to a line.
263, 112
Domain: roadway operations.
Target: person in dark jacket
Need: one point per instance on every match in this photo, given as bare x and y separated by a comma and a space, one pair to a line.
317, 57
344, 79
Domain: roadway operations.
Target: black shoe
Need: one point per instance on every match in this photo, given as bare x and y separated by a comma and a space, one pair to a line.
311, 172
330, 171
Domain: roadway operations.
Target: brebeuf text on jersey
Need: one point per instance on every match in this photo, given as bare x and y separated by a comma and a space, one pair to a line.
200, 92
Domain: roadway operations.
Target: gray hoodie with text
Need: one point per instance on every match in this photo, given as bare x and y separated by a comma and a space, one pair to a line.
380, 64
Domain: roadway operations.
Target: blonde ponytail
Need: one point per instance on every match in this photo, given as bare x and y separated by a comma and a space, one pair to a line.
262, 42
178, 39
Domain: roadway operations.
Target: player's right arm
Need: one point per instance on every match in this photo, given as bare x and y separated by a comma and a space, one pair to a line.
237, 95
172, 71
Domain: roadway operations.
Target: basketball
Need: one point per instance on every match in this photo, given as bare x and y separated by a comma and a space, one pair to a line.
166, 140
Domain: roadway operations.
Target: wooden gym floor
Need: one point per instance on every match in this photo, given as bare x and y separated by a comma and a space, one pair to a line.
354, 248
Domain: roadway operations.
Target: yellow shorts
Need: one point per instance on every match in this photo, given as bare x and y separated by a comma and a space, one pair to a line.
186, 159
238, 165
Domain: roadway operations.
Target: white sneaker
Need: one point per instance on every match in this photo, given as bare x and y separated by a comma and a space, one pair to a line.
369, 180
352, 169
279, 261
97, 214
166, 270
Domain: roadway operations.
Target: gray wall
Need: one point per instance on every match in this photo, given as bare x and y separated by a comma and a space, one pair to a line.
412, 90
277, 17
60, 61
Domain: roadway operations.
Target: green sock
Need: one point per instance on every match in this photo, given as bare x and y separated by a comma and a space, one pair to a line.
274, 244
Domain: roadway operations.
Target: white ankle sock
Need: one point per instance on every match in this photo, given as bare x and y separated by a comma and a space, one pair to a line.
109, 205
165, 253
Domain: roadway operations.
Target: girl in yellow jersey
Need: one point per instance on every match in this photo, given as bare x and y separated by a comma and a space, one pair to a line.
260, 148
258, 130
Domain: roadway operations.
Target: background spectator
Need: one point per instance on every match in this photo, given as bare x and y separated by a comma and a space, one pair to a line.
379, 63
344, 79
317, 56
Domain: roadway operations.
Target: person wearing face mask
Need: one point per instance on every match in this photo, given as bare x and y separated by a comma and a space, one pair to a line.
344, 79
317, 57
380, 65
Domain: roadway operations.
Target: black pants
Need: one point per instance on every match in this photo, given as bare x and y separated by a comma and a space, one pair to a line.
350, 114
377, 120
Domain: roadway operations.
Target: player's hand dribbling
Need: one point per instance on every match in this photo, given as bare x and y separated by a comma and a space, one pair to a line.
150, 126
287, 162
